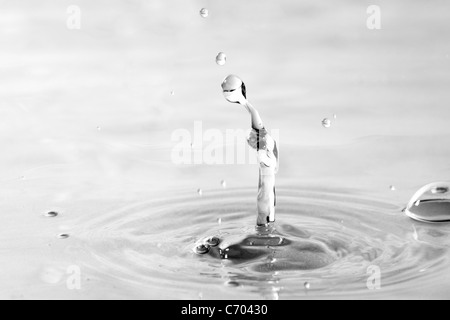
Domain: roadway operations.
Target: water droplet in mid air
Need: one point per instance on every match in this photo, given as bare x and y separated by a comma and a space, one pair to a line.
326, 123
335, 116
393, 188
63, 236
431, 203
219, 221
200, 192
204, 13
307, 285
51, 214
172, 93
221, 59
224, 184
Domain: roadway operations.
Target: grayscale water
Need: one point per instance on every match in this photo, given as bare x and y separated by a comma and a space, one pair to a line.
87, 116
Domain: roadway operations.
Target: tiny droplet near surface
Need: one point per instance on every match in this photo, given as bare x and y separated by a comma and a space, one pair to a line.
172, 93
232, 283
200, 192
219, 221
392, 188
223, 183
439, 190
326, 123
201, 249
213, 241
204, 13
221, 59
335, 116
51, 214
307, 285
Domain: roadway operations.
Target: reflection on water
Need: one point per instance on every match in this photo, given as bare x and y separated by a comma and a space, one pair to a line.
326, 240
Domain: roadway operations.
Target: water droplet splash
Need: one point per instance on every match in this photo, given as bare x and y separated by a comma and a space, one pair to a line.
431, 203
326, 123
204, 13
221, 59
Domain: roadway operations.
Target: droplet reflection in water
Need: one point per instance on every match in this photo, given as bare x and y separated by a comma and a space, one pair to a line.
204, 13
326, 123
431, 203
221, 59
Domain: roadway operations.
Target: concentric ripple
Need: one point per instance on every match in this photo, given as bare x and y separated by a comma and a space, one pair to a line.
326, 244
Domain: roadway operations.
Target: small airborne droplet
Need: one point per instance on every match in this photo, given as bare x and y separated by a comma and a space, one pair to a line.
172, 93
223, 183
63, 236
204, 13
326, 123
393, 188
307, 285
221, 59
51, 214
200, 192
219, 221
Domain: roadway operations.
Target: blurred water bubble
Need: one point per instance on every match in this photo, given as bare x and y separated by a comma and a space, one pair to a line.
335, 116
219, 221
307, 285
326, 123
223, 183
99, 128
392, 188
200, 192
172, 93
221, 59
430, 203
204, 13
